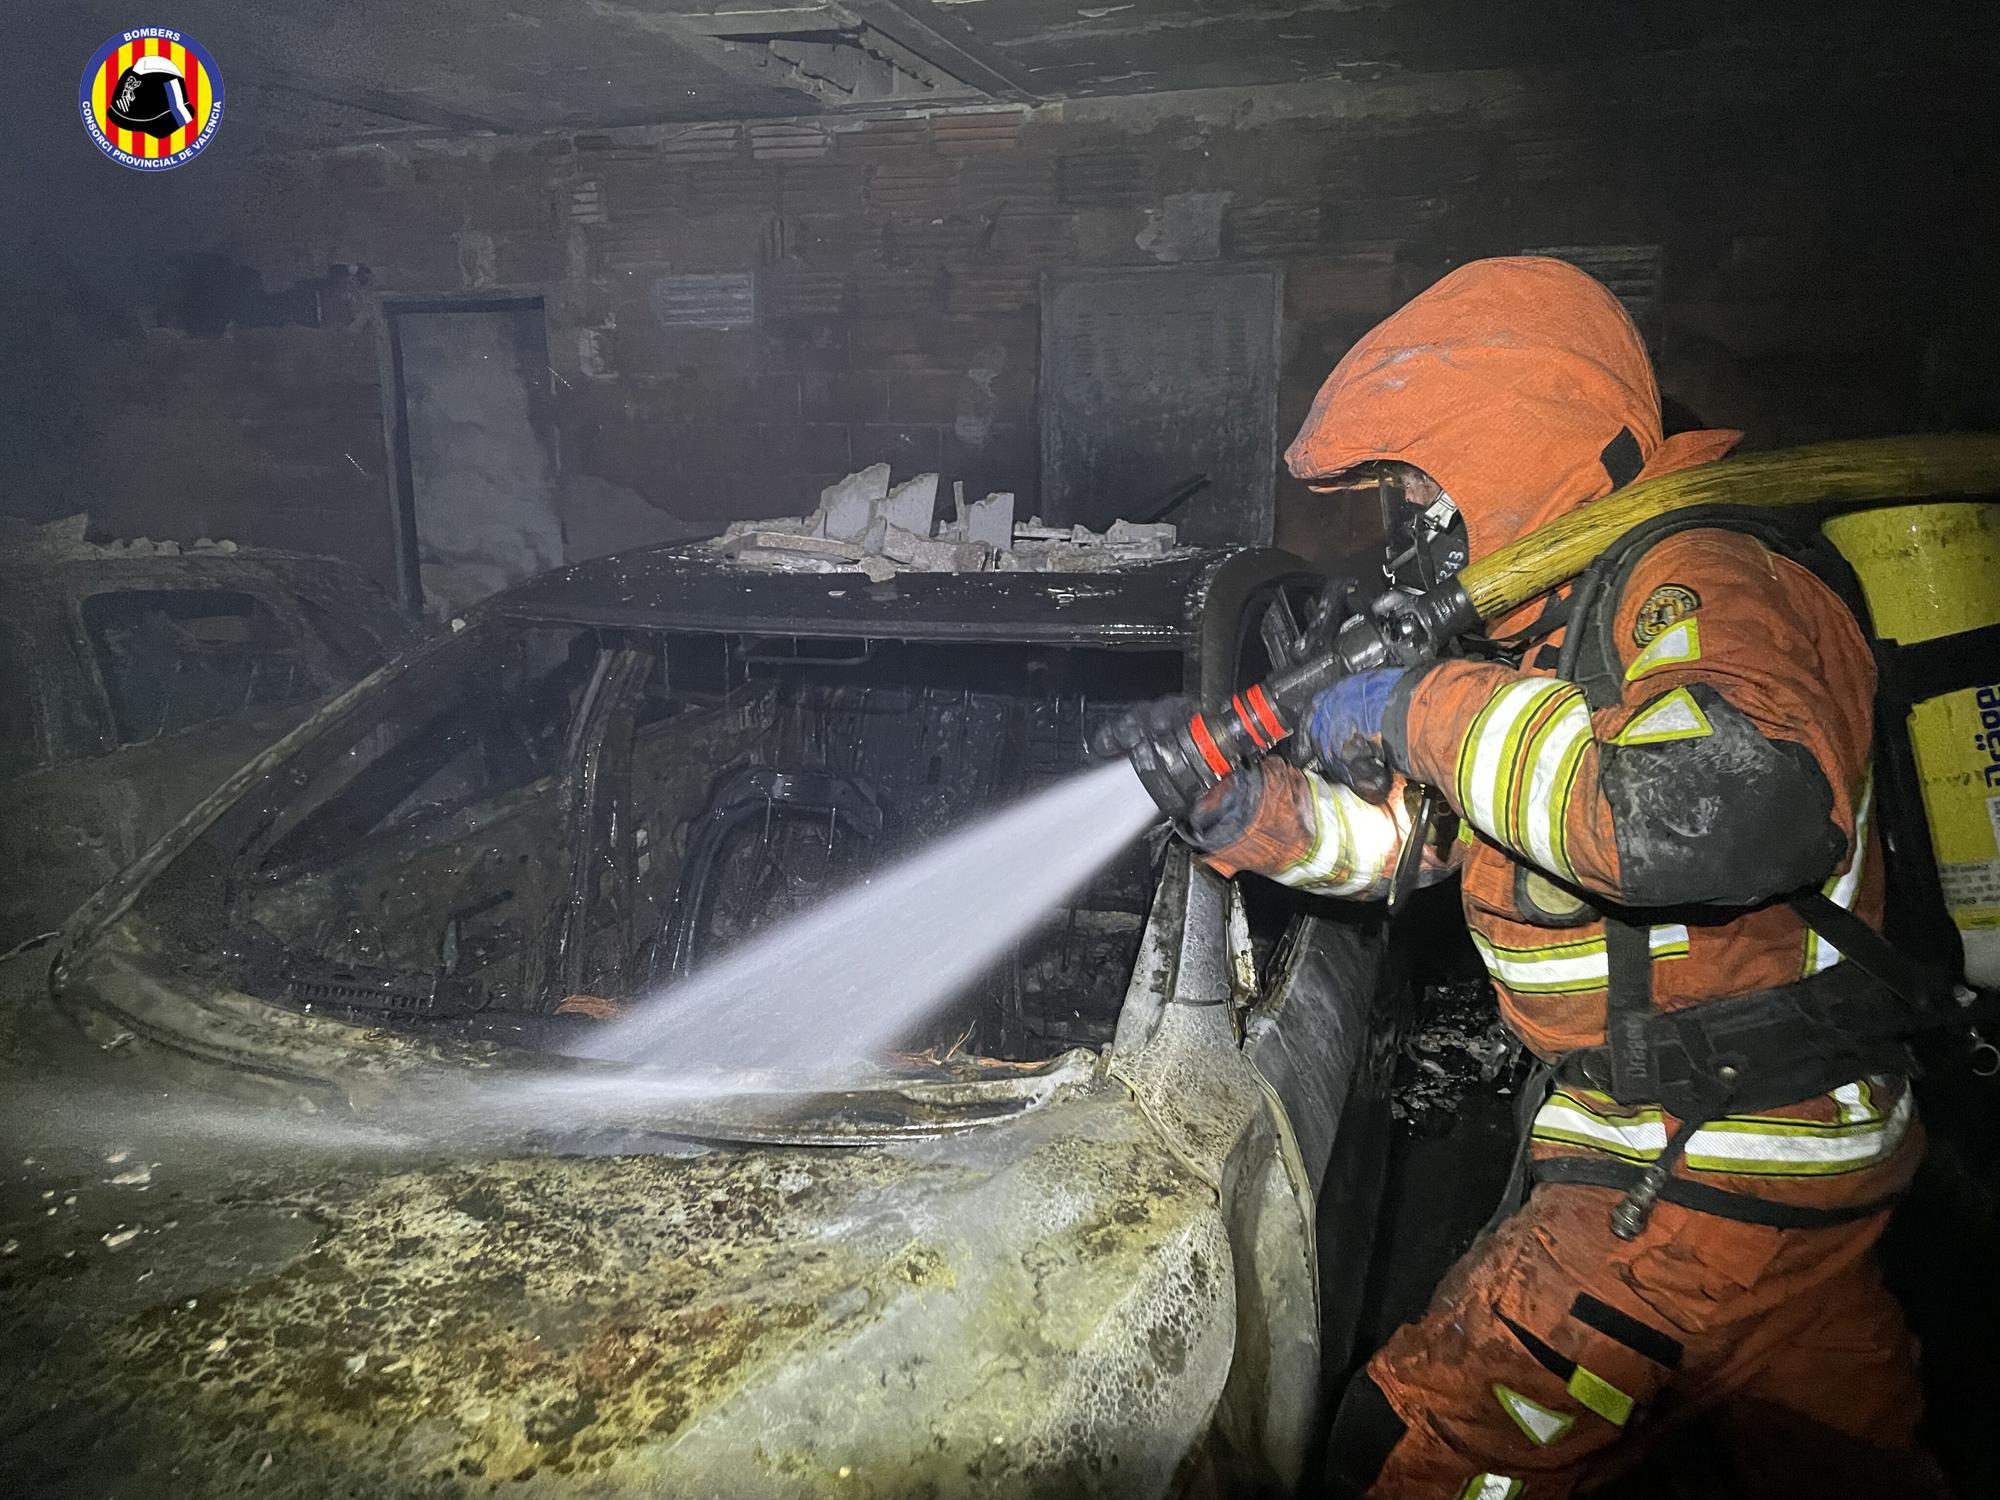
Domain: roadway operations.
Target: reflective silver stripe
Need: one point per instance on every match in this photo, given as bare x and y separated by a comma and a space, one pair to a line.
1570, 968
1841, 890
1485, 765
1353, 845
1490, 1487
1747, 1146
1681, 642
1797, 1149
1856, 1102
1550, 777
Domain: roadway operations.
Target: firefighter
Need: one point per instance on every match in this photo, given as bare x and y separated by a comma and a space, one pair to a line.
1636, 786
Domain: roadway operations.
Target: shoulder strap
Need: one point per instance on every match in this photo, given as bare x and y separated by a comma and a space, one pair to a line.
1590, 659
1944, 664
1628, 1006
1924, 992
1591, 649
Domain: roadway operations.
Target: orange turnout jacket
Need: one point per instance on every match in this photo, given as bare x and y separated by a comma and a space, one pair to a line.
1734, 769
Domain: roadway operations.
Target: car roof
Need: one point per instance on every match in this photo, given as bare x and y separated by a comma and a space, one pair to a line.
1157, 603
114, 560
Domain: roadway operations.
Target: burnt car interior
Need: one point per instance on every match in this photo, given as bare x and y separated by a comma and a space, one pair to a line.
595, 812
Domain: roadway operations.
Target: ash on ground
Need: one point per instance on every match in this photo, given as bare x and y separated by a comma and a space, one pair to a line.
1456, 1047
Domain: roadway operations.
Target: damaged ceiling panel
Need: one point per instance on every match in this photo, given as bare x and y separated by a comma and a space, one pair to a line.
830, 53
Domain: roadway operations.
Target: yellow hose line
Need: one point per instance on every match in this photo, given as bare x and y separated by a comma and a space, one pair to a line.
1871, 469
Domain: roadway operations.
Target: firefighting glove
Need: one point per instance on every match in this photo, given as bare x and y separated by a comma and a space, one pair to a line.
1226, 810
1356, 729
1146, 721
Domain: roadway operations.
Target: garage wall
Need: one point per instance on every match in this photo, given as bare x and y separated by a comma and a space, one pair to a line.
1820, 271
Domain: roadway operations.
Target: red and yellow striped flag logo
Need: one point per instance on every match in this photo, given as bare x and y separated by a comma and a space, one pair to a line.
151, 99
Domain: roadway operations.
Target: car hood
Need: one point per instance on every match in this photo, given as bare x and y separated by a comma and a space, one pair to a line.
1044, 1303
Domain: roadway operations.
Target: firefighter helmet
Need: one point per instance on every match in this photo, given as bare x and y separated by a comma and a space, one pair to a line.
151, 97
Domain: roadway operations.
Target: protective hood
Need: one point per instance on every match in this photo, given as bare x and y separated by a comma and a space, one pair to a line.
1518, 384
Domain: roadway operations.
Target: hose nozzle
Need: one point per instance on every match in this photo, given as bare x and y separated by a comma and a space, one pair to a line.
1180, 761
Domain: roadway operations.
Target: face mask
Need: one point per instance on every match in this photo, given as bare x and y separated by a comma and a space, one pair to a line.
1425, 544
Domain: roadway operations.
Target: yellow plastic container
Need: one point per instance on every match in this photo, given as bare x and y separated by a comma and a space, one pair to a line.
1927, 571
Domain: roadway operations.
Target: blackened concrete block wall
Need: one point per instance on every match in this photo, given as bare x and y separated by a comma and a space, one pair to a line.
895, 267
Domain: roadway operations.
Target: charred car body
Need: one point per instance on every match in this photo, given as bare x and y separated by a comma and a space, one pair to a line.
136, 677
1097, 1229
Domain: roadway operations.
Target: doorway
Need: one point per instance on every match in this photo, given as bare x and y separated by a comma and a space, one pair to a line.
1159, 399
472, 448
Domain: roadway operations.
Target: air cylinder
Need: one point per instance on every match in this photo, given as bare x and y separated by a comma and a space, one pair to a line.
1930, 571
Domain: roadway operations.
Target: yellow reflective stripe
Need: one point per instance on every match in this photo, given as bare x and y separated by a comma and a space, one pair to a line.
1468, 752
1741, 1145
1570, 968
1680, 642
1842, 888
1490, 757
1517, 752
1490, 1487
1325, 857
1601, 1396
1552, 758
1605, 1107
1671, 716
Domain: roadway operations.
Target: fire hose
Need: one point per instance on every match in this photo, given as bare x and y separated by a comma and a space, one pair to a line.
1404, 630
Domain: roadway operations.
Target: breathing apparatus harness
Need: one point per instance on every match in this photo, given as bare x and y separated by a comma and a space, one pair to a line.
1752, 1052
1748, 1052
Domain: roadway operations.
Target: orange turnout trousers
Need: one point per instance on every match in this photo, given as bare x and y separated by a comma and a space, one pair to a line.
1556, 1354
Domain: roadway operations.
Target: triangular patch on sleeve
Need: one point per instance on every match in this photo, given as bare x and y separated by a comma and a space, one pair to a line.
1542, 1425
1676, 716
1679, 642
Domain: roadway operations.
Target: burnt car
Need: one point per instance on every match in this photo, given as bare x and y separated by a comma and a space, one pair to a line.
1098, 1227
135, 677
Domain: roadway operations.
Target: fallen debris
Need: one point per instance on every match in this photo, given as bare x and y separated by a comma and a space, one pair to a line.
69, 537
863, 524
1448, 1055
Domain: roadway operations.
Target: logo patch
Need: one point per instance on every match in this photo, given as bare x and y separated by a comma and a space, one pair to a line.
1666, 604
151, 99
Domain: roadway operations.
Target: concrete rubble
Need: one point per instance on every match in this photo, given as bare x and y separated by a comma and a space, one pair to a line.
863, 524
68, 537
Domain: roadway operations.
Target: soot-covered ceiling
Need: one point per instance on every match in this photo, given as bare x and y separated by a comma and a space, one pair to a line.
335, 72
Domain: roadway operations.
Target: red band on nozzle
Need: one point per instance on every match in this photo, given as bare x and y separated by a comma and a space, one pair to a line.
1266, 714
1205, 743
1248, 719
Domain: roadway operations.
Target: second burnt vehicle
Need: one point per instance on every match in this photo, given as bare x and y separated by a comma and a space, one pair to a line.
136, 675
1099, 1228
